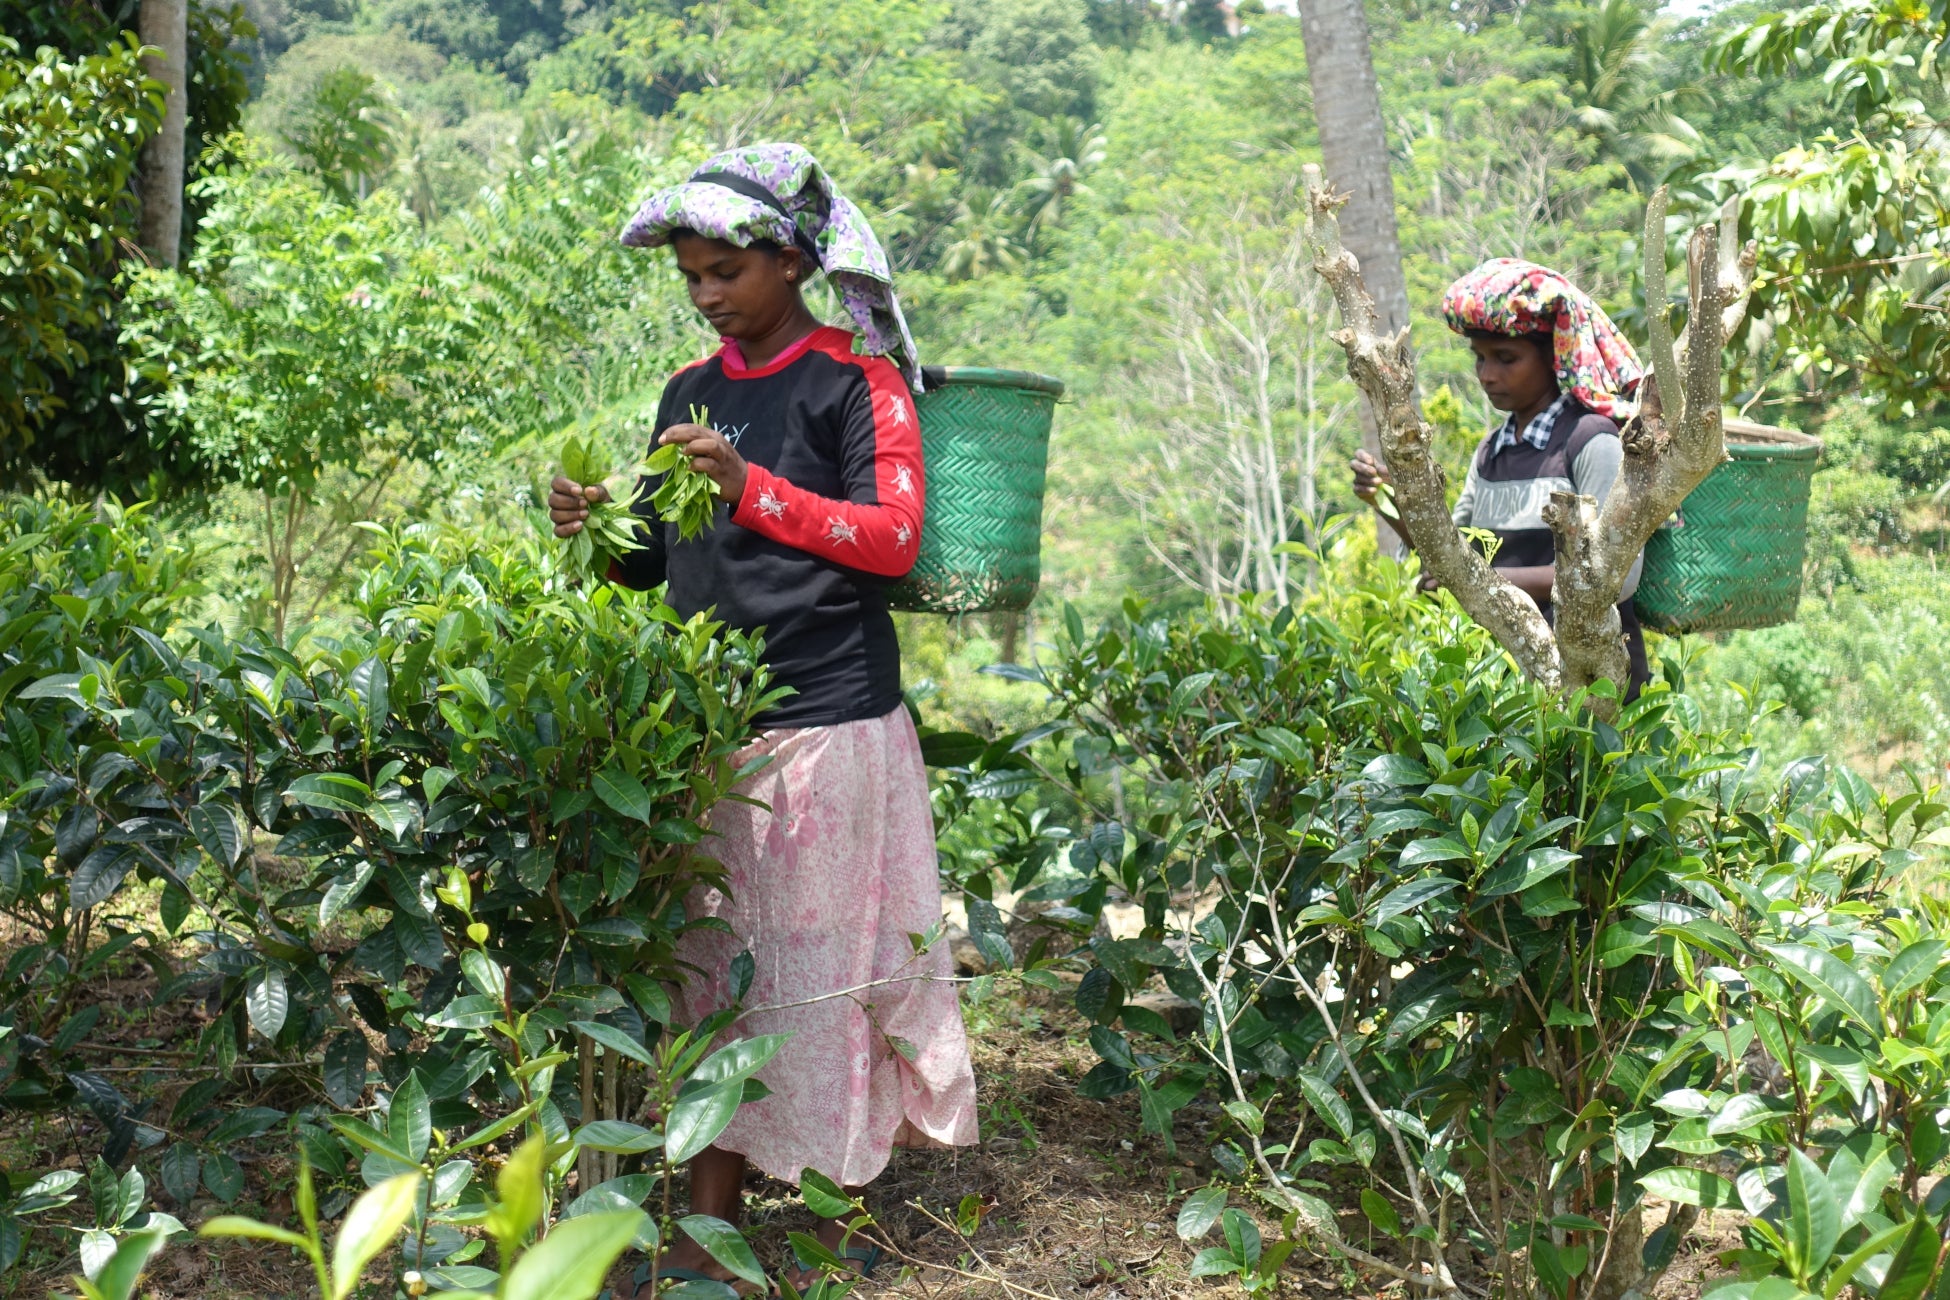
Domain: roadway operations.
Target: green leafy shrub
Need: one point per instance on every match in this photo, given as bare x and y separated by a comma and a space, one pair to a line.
1441, 930
335, 361
74, 591
74, 123
1851, 509
72, 130
1814, 1062
437, 847
1862, 671
425, 1185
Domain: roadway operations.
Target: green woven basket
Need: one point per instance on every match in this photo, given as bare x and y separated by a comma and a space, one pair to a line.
1732, 556
985, 437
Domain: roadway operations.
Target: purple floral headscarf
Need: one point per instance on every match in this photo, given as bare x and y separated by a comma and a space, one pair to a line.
816, 217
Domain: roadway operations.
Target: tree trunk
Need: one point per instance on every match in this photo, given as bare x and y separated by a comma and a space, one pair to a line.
1354, 151
1009, 624
165, 25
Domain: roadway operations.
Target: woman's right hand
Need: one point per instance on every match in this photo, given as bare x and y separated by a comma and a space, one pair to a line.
569, 502
1369, 475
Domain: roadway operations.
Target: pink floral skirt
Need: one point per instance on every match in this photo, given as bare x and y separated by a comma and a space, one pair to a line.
826, 882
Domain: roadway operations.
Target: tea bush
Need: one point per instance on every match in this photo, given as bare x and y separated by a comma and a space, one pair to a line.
1513, 968
437, 856
1874, 697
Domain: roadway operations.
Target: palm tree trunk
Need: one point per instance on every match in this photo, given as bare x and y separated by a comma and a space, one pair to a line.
165, 25
1354, 154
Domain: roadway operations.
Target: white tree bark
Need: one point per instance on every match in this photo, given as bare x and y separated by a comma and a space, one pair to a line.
1670, 446
1354, 150
1241, 452
165, 25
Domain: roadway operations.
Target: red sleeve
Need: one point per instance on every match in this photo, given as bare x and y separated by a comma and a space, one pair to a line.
877, 526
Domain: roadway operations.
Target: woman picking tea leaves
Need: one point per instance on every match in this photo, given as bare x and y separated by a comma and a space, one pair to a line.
1549, 357
808, 436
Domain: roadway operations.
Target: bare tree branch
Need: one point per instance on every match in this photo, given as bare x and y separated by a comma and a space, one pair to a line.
1242, 450
1670, 446
1384, 368
1668, 452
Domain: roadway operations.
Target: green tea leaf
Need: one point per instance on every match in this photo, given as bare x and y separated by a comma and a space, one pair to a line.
1200, 1211
1380, 1212
823, 1196
369, 1227
697, 1119
1327, 1103
1913, 966
574, 1260
232, 1225
725, 1244
1406, 898
409, 1123
345, 1068
1242, 1237
1831, 979
738, 1060
120, 1273
623, 792
1814, 1221
1690, 1187
266, 1002
519, 1186
616, 1136
1634, 1134
329, 792
614, 1039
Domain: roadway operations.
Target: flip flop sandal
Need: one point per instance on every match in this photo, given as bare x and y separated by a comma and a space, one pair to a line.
641, 1278
867, 1257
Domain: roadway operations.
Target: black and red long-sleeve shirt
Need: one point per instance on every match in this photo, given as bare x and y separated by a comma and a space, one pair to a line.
830, 514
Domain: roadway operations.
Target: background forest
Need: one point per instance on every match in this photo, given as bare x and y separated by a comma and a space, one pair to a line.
341, 858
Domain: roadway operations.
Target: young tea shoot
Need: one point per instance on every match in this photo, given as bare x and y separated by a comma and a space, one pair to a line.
683, 498
610, 531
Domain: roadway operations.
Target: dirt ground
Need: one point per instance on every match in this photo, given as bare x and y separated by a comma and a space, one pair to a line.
1079, 1203
1082, 1204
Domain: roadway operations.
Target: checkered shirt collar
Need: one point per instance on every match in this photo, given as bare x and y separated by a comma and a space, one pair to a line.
1538, 432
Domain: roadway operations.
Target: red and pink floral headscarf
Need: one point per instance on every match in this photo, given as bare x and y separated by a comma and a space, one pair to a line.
1595, 363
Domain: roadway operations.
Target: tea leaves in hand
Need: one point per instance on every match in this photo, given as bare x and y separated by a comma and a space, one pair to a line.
688, 500
610, 531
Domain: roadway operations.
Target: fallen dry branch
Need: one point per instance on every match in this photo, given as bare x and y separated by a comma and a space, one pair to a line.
993, 1275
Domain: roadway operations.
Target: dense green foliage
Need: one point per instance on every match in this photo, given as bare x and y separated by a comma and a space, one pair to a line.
462, 831
73, 132
76, 107
1504, 961
494, 778
1857, 273
325, 356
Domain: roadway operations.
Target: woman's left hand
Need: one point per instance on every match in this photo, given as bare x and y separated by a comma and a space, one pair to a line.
711, 456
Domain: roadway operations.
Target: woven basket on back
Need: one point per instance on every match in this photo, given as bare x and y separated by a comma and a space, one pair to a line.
1732, 556
985, 437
